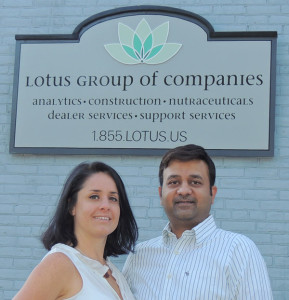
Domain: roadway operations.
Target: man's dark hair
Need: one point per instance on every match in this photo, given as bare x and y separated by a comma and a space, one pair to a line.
61, 227
187, 153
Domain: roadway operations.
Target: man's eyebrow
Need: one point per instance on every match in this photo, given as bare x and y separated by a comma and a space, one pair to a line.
196, 176
172, 176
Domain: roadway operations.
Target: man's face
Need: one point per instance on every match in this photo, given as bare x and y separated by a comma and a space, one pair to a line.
186, 195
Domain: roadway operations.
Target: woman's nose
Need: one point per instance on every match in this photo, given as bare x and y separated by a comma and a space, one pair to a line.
104, 203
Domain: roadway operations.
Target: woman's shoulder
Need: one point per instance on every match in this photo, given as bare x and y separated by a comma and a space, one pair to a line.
55, 270
57, 261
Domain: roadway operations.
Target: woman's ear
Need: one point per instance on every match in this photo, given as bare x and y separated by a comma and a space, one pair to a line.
72, 211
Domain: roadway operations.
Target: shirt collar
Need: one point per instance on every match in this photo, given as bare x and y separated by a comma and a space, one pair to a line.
200, 232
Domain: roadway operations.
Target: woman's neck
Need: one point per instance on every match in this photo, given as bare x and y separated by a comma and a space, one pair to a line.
92, 249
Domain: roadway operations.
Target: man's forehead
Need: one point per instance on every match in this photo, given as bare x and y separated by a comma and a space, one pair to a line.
191, 168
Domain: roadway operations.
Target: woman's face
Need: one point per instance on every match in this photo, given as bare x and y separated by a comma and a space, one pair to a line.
96, 212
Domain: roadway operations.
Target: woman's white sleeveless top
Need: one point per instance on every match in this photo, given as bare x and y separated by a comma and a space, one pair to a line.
94, 285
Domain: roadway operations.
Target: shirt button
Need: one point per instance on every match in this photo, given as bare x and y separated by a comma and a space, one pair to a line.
169, 276
177, 252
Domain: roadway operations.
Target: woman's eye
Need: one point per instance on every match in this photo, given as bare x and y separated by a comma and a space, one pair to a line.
94, 197
114, 199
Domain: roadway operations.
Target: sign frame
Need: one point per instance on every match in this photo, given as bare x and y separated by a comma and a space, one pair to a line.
140, 10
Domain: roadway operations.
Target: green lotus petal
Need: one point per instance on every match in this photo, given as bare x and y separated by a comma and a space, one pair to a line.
129, 51
137, 44
160, 34
143, 30
143, 45
167, 52
125, 35
117, 52
154, 51
148, 44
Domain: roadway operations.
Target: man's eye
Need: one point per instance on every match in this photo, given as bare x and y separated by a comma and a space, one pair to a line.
173, 182
196, 182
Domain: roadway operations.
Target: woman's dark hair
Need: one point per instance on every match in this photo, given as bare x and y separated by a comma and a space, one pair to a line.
61, 227
187, 153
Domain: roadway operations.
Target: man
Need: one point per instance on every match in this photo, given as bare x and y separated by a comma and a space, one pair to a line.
193, 259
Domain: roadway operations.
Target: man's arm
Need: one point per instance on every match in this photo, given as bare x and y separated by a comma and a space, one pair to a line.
127, 268
249, 272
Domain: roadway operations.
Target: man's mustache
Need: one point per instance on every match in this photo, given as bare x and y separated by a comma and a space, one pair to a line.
185, 198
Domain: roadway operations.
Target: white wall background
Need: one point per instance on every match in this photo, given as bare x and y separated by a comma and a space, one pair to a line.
253, 193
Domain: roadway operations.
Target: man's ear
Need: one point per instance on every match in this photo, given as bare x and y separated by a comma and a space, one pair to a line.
214, 192
160, 193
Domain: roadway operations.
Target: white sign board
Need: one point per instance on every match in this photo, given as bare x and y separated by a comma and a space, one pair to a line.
139, 80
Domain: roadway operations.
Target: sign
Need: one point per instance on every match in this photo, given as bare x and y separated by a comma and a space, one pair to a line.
140, 80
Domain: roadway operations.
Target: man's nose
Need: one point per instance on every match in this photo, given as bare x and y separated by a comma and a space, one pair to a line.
184, 189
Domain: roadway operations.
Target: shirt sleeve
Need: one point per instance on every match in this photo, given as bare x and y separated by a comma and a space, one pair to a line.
127, 268
249, 275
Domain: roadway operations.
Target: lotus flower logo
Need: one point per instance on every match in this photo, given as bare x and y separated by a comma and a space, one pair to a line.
143, 46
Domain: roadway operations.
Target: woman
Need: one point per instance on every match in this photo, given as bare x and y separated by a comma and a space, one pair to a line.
93, 221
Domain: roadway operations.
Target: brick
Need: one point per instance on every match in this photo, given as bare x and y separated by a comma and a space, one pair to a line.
139, 212
260, 238
238, 183
248, 19
282, 261
139, 202
238, 226
223, 214
242, 204
225, 193
280, 239
263, 194
261, 172
273, 205
229, 9
240, 214
274, 184
143, 223
277, 249
155, 213
264, 9
8, 220
271, 227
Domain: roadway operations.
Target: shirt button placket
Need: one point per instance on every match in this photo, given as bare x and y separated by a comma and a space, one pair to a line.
170, 275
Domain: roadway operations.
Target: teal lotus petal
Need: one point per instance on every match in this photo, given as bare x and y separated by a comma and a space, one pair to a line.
137, 44
129, 51
143, 30
160, 34
118, 53
148, 44
143, 45
154, 51
125, 35
168, 51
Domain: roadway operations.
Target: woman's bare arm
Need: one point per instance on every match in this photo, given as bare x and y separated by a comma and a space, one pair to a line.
54, 278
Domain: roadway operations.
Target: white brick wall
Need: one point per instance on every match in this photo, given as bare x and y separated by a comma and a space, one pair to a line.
253, 195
